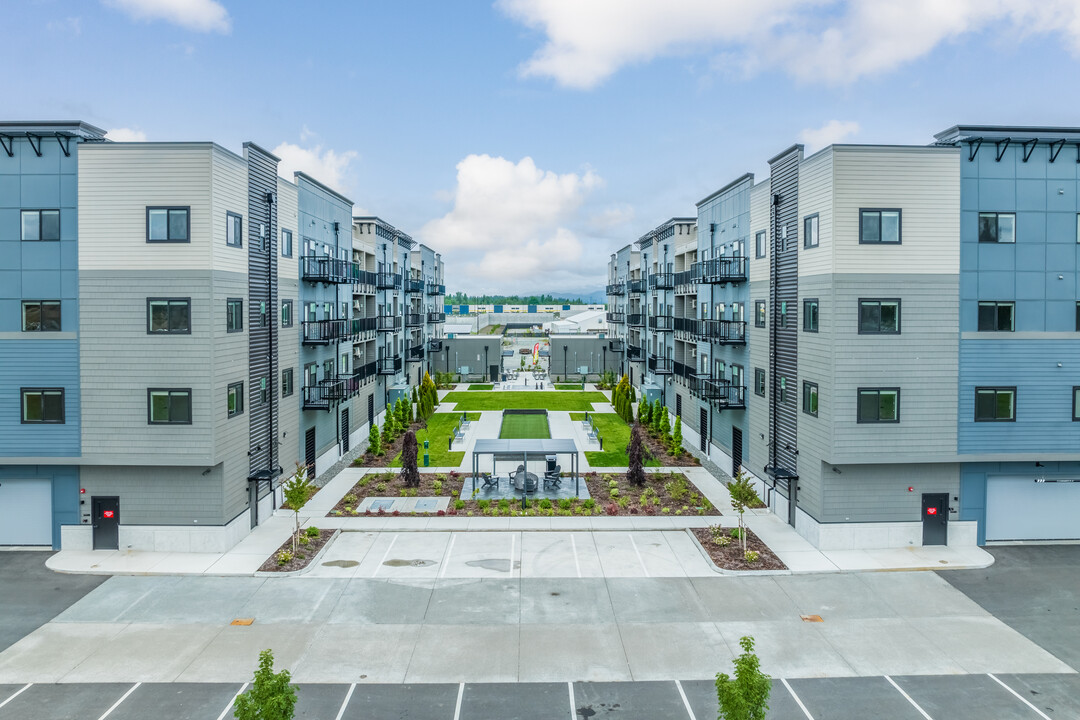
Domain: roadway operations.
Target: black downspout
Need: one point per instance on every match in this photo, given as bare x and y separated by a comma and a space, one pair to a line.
270, 465
774, 293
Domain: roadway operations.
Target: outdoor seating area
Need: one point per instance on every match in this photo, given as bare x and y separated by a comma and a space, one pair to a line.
531, 469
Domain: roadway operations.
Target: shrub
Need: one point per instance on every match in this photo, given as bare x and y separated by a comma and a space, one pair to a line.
409, 472
374, 440
751, 556
545, 504
565, 504
746, 697
380, 487
676, 438
611, 509
635, 472
271, 696
736, 533
483, 504
312, 532
436, 485
305, 540
284, 557
459, 504
590, 504
349, 499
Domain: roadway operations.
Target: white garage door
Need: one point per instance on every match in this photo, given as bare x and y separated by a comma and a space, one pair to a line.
27, 512
1018, 508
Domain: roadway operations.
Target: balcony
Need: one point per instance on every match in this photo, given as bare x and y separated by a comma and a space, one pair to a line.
389, 366
617, 346
722, 270
414, 320
436, 317
359, 277
660, 365
723, 332
704, 386
633, 352
616, 289
387, 281
388, 323
365, 373
726, 395
635, 320
682, 370
325, 394
360, 326
661, 323
637, 287
434, 346
414, 286
616, 318
324, 332
433, 289
686, 282
416, 352
662, 281
687, 327
325, 269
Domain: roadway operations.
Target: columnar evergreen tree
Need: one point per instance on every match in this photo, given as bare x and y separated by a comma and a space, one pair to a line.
374, 440
665, 427
657, 412
676, 437
410, 475
644, 413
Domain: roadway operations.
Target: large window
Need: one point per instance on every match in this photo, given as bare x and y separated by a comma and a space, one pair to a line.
41, 316
234, 314
286, 243
236, 399
810, 315
879, 405
234, 229
997, 227
168, 316
760, 243
782, 394
809, 398
879, 316
759, 382
995, 404
286, 313
168, 407
40, 225
43, 405
1076, 404
997, 316
879, 227
810, 231
168, 224
759, 313
286, 382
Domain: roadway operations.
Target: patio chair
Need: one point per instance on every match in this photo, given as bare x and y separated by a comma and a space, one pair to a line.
489, 480
553, 477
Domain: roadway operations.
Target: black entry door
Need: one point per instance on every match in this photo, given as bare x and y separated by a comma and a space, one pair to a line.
935, 518
793, 501
106, 522
493, 373
704, 415
345, 431
736, 449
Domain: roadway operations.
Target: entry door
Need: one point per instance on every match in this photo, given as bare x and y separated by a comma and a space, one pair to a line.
736, 449
935, 518
793, 500
345, 431
493, 373
704, 414
106, 518
27, 509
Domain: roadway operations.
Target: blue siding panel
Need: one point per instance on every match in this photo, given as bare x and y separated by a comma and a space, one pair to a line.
39, 363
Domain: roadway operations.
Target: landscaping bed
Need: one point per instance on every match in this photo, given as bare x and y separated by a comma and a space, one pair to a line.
480, 387
304, 554
538, 399
391, 450
436, 431
730, 557
616, 435
564, 386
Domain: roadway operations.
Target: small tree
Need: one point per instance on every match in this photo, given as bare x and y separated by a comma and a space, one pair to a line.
742, 496
374, 440
389, 432
635, 471
657, 413
414, 398
644, 414
676, 438
747, 696
665, 428
271, 697
410, 475
297, 491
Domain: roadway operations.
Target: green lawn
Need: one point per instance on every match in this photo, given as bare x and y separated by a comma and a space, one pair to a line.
481, 387
437, 434
540, 399
564, 386
516, 427
616, 435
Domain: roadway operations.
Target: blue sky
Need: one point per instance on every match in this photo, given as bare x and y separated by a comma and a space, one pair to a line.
529, 139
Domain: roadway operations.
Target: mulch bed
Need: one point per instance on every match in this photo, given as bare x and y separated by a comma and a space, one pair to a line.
659, 451
394, 485
389, 451
304, 554
731, 557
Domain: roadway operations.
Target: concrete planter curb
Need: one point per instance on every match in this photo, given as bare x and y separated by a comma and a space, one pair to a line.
736, 573
306, 568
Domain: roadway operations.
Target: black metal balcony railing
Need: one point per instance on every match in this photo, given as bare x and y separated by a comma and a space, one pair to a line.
387, 281
434, 346
723, 270
704, 386
616, 289
660, 365
388, 323
324, 394
723, 332
366, 372
324, 332
687, 280
661, 323
436, 317
635, 320
326, 269
637, 287
361, 277
414, 286
617, 346
358, 326
416, 352
617, 318
686, 326
682, 370
662, 281
633, 352
433, 289
414, 320
390, 365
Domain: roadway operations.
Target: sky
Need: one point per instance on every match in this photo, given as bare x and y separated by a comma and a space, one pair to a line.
528, 140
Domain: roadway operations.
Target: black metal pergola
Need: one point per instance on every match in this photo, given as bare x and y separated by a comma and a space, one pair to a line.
522, 451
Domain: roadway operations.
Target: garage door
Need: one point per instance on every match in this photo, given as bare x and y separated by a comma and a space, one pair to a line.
27, 516
1018, 508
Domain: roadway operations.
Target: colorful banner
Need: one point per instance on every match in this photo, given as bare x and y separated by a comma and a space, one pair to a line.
536, 353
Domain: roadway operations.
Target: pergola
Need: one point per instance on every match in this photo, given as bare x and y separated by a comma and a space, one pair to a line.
521, 451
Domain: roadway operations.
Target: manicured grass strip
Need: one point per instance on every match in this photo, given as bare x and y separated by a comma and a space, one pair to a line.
516, 427
540, 399
481, 387
564, 386
437, 434
616, 434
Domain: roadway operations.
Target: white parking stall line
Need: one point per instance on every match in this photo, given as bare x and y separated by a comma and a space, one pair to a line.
908, 698
638, 553
122, 699
19, 692
225, 712
385, 555
797, 700
345, 702
573, 705
457, 707
682, 694
577, 565
513, 542
446, 556
1019, 697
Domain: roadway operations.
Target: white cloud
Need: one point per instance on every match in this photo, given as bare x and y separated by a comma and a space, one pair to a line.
197, 15
832, 41
126, 135
328, 167
512, 227
834, 131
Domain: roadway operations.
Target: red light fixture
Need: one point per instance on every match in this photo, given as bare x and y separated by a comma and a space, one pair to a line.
911, 489
82, 491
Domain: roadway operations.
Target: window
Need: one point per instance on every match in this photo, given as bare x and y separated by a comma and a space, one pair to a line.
40, 225
783, 390
759, 382
43, 405
879, 316
995, 404
168, 407
879, 227
168, 224
262, 314
810, 231
879, 405
1078, 317
997, 316
1076, 404
286, 382
41, 316
236, 399
168, 316
286, 243
286, 313
810, 315
760, 243
809, 398
234, 230
783, 314
759, 313
234, 314
997, 227
264, 391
